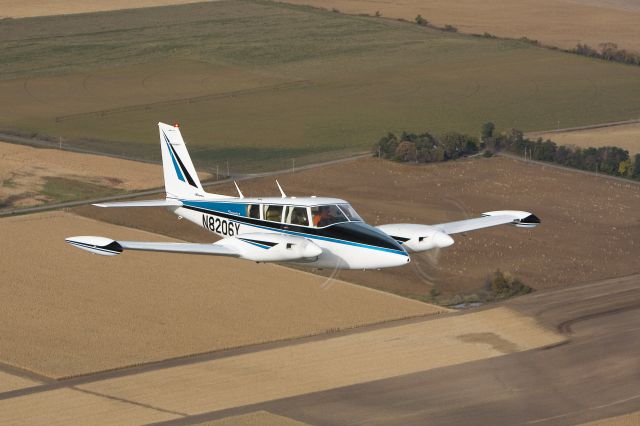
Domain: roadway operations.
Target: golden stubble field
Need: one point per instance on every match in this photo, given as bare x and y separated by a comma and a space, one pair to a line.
562, 23
24, 171
30, 8
590, 226
625, 136
67, 312
270, 374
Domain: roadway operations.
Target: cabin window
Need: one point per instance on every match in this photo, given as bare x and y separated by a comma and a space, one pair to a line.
297, 216
326, 215
350, 212
253, 210
273, 213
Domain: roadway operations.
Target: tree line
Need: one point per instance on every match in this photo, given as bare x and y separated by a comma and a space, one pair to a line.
428, 148
608, 52
425, 147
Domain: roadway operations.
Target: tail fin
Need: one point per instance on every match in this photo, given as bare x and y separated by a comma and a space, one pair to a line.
180, 178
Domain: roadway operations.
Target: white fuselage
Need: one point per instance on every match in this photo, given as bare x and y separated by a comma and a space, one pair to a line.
348, 245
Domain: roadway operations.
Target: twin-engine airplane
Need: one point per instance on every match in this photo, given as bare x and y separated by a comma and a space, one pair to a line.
311, 231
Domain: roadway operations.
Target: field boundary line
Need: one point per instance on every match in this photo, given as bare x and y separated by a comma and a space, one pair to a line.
72, 382
203, 98
237, 178
46, 143
569, 169
587, 127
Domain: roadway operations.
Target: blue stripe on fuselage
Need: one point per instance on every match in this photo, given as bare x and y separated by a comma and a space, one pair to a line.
207, 205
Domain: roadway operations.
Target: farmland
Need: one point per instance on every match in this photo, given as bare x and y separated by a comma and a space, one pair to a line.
562, 23
589, 227
311, 86
72, 313
626, 136
29, 8
32, 176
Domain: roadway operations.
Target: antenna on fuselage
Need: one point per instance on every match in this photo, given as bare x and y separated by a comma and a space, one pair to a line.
280, 188
238, 188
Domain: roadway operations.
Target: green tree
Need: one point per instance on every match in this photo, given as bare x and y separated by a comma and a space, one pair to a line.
406, 151
487, 130
636, 167
421, 21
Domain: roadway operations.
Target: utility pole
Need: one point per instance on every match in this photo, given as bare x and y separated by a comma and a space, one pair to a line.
60, 142
217, 172
228, 174
293, 165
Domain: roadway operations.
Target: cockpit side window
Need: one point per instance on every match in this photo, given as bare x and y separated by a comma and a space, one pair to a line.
253, 210
273, 213
327, 215
297, 216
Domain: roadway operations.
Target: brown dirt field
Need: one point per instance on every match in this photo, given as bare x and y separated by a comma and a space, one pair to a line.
9, 382
624, 136
29, 8
23, 171
590, 226
326, 364
259, 418
562, 23
67, 312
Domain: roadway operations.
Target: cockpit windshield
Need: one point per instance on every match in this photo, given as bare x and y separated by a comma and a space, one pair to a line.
350, 212
329, 214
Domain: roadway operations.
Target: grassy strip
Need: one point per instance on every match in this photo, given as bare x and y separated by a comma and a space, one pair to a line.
60, 189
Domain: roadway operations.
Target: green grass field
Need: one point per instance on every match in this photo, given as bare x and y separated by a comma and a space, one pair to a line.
258, 83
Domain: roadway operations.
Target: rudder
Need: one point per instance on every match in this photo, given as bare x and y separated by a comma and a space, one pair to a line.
180, 177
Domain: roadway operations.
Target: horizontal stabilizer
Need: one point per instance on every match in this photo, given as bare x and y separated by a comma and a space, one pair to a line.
143, 203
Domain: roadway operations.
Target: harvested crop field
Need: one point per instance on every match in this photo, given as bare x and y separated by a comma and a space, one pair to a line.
329, 363
590, 226
217, 383
258, 418
10, 382
32, 176
314, 84
626, 136
562, 23
67, 312
29, 8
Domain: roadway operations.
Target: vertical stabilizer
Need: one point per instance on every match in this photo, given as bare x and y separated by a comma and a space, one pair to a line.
180, 177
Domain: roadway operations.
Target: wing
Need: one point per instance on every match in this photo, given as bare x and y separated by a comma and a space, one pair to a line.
501, 217
259, 247
169, 202
417, 238
109, 247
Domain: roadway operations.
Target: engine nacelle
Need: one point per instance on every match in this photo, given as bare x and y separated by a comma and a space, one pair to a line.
265, 247
416, 237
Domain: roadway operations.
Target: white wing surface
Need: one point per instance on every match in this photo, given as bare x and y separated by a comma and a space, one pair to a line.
109, 247
259, 247
502, 217
416, 237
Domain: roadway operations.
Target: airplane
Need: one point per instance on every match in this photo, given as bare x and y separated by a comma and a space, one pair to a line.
316, 232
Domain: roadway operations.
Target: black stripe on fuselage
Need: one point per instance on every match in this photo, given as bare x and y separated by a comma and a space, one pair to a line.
355, 232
